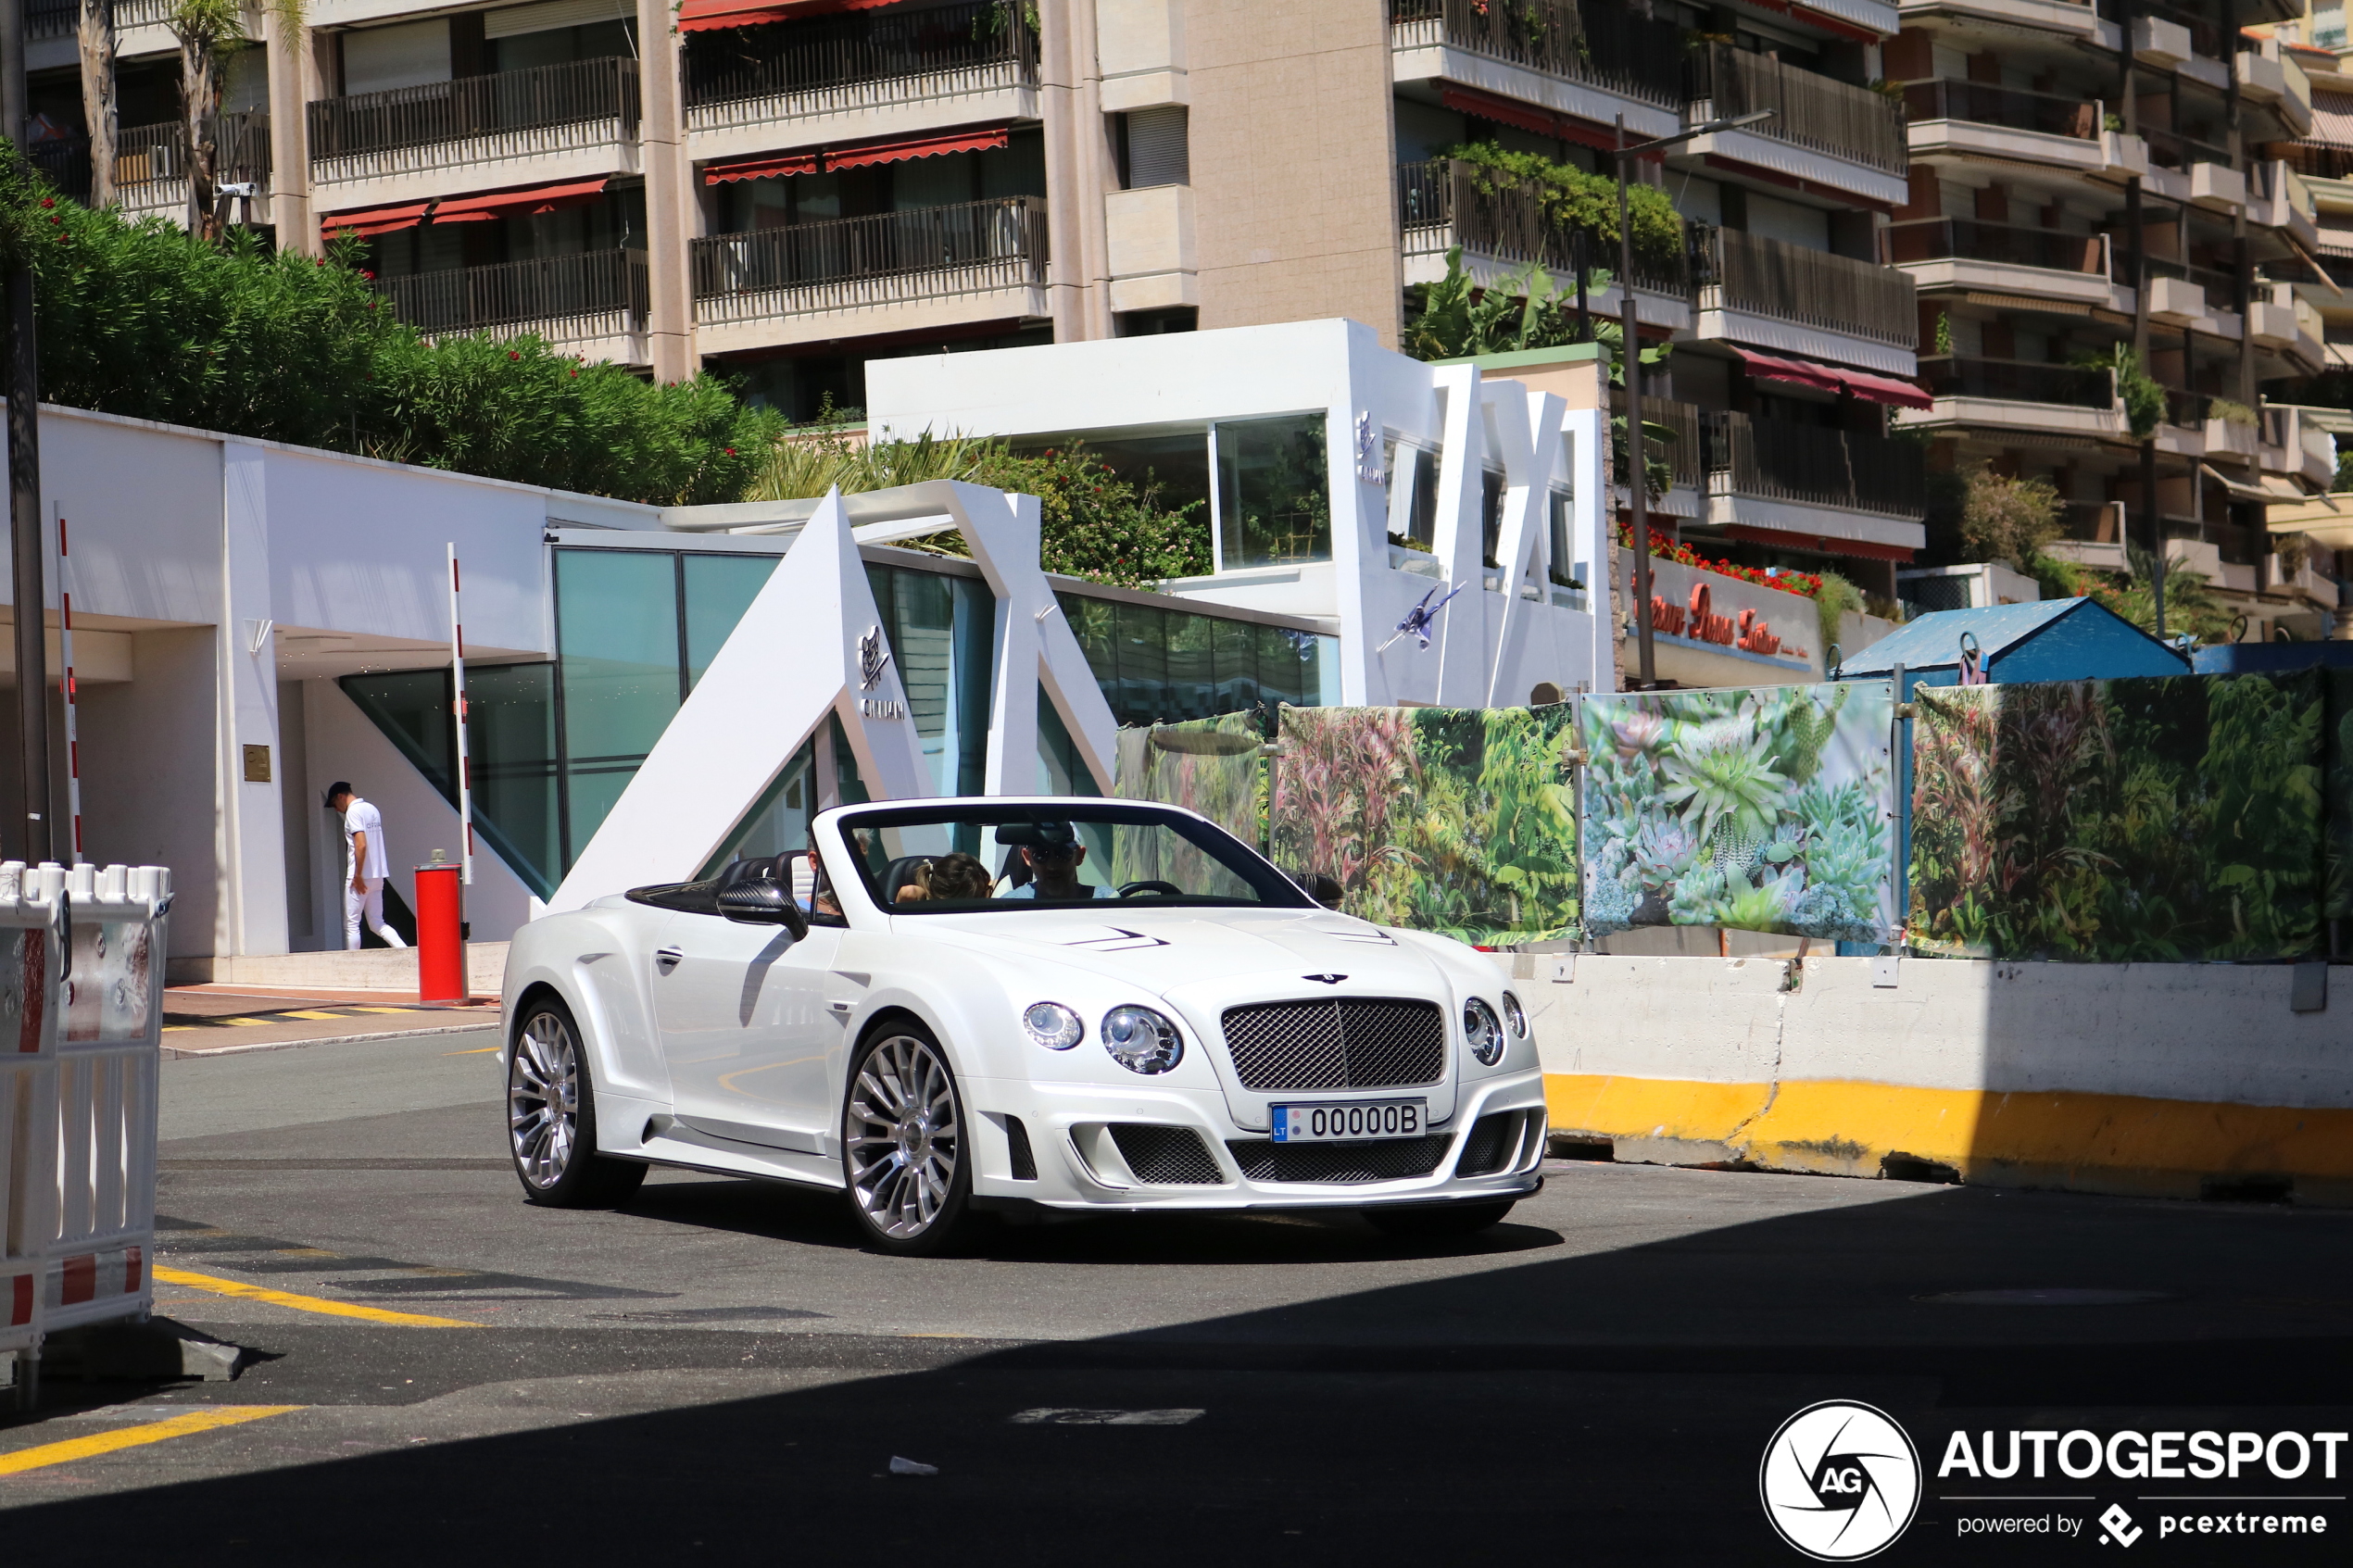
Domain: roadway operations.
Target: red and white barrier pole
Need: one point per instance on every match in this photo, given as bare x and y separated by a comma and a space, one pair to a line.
465, 765
73, 728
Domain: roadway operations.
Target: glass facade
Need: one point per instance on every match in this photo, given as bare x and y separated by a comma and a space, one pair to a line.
1274, 497
554, 745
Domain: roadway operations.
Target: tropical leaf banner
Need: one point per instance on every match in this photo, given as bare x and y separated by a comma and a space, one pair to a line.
2337, 784
1454, 819
1766, 808
2157, 820
1212, 766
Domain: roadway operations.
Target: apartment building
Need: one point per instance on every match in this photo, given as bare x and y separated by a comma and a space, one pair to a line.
2090, 176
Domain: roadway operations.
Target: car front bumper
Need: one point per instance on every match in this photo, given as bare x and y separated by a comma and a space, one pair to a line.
1092, 1147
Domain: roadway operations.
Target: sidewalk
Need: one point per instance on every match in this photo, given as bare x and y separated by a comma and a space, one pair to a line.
216, 1019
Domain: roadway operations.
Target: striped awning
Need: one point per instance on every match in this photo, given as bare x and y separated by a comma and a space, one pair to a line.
704, 16
779, 164
522, 202
1834, 378
371, 221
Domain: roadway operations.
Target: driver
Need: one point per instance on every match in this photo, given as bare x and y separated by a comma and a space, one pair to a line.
1053, 866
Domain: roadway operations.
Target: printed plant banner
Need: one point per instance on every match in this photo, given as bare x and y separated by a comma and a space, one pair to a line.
1211, 766
2338, 786
1454, 819
1769, 809
2160, 820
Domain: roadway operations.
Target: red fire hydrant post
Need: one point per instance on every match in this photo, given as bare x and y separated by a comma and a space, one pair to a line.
441, 940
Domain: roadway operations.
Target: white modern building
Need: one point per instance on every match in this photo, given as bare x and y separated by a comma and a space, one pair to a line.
253, 621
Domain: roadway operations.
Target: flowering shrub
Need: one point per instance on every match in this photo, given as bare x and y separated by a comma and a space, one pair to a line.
1663, 548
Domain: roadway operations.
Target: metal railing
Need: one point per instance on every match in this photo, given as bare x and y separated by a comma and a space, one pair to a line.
1600, 42
2170, 149
1970, 239
1813, 288
2219, 288
2187, 408
929, 253
595, 294
860, 60
1446, 202
151, 161
1686, 455
2017, 381
516, 106
1780, 460
62, 19
2092, 522
1809, 109
1981, 102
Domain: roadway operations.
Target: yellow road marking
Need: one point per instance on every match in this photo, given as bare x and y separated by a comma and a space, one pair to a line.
291, 1014
234, 1022
379, 1010
132, 1437
305, 1303
170, 1027
478, 1051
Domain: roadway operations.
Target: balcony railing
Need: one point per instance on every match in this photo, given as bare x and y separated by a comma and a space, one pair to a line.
2188, 409
2052, 114
1446, 202
2169, 149
1813, 288
2092, 522
2219, 288
151, 161
739, 76
542, 108
929, 253
1779, 460
60, 18
1599, 41
1686, 455
567, 298
1968, 239
1809, 109
2017, 381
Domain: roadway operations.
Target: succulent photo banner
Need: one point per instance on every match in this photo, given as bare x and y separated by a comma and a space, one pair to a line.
2165, 820
1454, 819
1766, 808
1212, 766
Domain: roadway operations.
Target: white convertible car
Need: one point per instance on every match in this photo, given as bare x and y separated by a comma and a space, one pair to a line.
954, 1006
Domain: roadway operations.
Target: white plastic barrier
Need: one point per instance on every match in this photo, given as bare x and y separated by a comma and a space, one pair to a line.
80, 1036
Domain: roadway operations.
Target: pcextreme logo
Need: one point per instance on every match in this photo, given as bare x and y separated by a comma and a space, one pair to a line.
1841, 1481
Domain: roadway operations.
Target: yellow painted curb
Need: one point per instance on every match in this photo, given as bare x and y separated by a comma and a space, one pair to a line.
305, 1303
73, 1448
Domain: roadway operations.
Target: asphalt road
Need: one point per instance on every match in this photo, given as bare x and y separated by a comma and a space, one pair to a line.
717, 1372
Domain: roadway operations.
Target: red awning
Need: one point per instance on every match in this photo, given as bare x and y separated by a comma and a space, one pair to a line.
1834, 378
857, 157
529, 200
921, 146
703, 16
1885, 389
1829, 545
373, 221
1528, 116
762, 168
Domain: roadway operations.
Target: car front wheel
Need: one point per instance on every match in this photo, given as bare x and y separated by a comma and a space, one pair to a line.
551, 1119
902, 1145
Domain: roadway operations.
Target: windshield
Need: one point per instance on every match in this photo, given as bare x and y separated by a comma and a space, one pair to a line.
1062, 854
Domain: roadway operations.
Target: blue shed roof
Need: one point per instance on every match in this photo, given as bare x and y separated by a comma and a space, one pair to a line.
2085, 640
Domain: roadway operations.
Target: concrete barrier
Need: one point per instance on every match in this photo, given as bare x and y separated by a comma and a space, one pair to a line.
2179, 1080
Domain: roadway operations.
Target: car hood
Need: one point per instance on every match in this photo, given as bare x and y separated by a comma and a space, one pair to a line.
1165, 950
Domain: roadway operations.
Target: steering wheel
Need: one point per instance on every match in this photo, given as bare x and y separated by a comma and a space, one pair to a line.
1167, 889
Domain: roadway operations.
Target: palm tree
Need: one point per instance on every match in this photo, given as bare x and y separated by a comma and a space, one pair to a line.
94, 39
209, 32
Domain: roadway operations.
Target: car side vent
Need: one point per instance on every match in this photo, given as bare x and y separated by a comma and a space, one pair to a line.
1493, 1141
1166, 1156
1025, 1160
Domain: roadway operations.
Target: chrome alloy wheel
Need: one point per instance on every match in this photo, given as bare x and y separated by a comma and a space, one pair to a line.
543, 1100
902, 1137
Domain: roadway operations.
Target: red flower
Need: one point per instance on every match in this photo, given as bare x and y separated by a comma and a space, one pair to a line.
731, 451
512, 354
49, 200
367, 275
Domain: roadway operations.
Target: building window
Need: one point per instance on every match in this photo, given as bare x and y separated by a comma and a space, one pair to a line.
1153, 148
1274, 501
1157, 665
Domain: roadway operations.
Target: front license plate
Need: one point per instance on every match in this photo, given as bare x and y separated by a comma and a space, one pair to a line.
1350, 1123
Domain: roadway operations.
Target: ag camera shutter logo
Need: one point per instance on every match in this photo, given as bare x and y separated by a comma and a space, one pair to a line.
1841, 1481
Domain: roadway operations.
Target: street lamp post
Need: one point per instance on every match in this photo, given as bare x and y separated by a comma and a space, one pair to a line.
1630, 354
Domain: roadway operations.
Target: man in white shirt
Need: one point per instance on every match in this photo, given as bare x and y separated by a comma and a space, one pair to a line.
365, 867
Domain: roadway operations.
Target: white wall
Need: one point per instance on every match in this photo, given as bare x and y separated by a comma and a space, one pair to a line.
150, 789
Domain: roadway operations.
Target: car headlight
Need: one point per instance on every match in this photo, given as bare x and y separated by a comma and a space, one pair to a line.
1485, 1034
1514, 1015
1141, 1040
1053, 1025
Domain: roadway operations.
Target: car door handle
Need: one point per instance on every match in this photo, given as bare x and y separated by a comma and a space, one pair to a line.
669, 958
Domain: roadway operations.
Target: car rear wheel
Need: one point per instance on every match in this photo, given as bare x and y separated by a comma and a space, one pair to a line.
902, 1143
1437, 1222
551, 1119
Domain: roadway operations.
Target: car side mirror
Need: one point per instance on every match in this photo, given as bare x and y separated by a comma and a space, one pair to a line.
1324, 890
763, 903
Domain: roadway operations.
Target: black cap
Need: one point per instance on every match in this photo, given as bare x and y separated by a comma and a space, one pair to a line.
341, 787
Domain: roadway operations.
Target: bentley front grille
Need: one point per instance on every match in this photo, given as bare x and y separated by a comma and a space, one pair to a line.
1349, 1043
